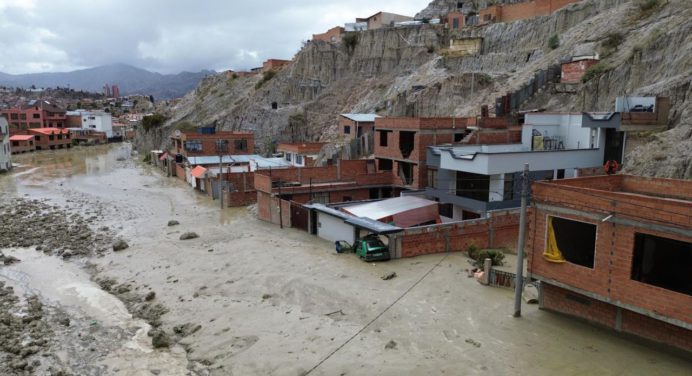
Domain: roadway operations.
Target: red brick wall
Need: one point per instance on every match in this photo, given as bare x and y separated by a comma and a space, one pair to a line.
573, 72
522, 11
209, 143
180, 171
332, 35
610, 277
500, 230
595, 311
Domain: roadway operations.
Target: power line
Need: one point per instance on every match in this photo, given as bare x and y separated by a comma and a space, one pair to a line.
377, 317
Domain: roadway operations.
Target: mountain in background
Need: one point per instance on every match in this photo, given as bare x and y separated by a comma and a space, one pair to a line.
130, 80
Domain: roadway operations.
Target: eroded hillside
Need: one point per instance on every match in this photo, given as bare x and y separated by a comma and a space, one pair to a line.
406, 72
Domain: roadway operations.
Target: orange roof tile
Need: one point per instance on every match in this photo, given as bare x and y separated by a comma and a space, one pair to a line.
50, 131
198, 171
21, 137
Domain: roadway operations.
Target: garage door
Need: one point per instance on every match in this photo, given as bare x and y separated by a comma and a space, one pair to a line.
333, 228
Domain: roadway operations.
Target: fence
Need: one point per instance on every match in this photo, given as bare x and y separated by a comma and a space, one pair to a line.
512, 101
499, 278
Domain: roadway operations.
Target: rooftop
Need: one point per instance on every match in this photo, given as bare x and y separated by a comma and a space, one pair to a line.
21, 137
258, 160
362, 118
301, 148
50, 131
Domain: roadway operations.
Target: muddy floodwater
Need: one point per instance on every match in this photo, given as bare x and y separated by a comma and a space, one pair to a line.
247, 298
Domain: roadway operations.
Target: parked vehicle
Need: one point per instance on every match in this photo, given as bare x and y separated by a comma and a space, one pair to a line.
369, 248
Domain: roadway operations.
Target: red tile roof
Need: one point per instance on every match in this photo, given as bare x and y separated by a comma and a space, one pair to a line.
21, 137
50, 131
198, 171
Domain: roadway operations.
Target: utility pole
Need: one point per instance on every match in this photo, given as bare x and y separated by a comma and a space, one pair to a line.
519, 283
221, 149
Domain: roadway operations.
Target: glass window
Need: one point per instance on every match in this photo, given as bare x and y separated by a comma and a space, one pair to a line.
662, 262
347, 129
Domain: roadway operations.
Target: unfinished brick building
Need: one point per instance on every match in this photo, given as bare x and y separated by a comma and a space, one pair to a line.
203, 142
348, 180
616, 251
521, 10
400, 145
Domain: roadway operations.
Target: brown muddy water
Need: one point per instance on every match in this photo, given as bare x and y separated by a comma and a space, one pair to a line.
246, 298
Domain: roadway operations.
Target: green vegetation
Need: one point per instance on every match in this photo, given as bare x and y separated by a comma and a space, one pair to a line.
266, 76
152, 121
184, 126
595, 71
554, 42
350, 40
479, 255
612, 42
648, 5
485, 79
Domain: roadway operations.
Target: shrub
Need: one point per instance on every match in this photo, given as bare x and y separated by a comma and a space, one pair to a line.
648, 5
152, 121
613, 40
554, 42
594, 71
479, 255
266, 76
350, 41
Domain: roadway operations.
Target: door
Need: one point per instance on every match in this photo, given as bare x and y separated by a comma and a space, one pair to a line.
614, 146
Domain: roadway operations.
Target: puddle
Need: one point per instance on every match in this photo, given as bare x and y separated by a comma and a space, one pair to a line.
64, 284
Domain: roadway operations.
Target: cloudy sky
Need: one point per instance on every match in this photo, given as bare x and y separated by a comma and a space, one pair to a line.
168, 36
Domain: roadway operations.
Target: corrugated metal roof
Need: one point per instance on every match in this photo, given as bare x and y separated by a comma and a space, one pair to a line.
259, 160
361, 117
364, 223
389, 207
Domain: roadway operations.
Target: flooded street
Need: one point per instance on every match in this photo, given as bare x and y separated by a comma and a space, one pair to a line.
249, 298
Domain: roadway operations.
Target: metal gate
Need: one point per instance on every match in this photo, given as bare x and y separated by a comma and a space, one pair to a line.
299, 216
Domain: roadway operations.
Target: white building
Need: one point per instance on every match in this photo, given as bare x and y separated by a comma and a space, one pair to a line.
100, 121
475, 179
5, 152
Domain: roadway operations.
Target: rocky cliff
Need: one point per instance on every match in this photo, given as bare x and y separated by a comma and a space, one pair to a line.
407, 72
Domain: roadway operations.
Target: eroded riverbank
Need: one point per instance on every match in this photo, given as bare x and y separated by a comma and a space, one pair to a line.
248, 298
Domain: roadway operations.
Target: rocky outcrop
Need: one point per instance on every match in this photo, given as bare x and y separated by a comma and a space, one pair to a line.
406, 72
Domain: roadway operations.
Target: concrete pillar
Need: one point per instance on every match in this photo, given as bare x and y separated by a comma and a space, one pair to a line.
487, 264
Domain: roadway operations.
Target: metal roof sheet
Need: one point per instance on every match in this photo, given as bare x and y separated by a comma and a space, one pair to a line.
361, 117
261, 161
364, 223
389, 207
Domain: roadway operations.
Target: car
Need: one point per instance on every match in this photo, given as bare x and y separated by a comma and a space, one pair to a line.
371, 248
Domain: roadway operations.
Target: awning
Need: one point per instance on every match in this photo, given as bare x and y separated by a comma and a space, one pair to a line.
368, 224
163, 156
198, 172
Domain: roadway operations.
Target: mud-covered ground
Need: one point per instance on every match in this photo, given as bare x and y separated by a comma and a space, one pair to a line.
246, 297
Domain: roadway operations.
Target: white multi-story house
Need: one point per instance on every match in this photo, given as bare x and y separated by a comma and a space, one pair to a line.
5, 152
99, 121
474, 179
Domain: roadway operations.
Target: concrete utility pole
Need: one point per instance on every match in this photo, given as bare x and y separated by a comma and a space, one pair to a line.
221, 149
519, 283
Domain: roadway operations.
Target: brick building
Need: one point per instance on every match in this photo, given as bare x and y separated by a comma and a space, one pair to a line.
300, 154
573, 70
382, 19
617, 252
332, 35
204, 141
355, 125
348, 180
51, 138
35, 114
400, 145
454, 20
274, 64
521, 11
22, 143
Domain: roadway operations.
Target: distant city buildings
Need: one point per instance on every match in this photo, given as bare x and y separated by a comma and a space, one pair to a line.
5, 152
35, 114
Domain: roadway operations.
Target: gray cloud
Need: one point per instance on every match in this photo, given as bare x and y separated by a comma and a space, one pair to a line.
168, 36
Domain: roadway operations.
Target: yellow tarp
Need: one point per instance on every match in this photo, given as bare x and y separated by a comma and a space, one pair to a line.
552, 252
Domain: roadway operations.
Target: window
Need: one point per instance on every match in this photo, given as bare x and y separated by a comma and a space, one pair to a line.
383, 138
455, 23
473, 186
299, 159
288, 157
36, 116
38, 138
570, 241
432, 178
508, 191
347, 129
406, 143
15, 143
193, 145
320, 197
241, 145
51, 138
14, 116
34, 125
385, 164
22, 116
662, 262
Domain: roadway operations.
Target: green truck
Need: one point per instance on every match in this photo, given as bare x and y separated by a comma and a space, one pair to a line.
369, 248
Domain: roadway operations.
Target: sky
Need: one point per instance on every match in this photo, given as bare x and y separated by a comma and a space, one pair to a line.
169, 36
